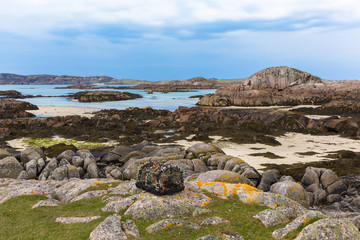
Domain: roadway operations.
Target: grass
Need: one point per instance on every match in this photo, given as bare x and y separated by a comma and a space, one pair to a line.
19, 221
47, 142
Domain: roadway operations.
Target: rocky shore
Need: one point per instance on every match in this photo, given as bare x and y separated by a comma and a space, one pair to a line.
102, 96
334, 202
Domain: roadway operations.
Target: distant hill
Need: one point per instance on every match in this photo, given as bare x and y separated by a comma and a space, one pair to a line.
8, 78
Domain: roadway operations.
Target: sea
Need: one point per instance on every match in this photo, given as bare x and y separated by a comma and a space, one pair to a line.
169, 101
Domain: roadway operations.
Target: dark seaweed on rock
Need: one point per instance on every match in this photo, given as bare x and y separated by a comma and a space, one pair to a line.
160, 179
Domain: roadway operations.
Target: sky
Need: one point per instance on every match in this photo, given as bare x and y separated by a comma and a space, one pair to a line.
179, 39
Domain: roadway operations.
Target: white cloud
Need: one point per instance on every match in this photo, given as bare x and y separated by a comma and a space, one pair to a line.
42, 17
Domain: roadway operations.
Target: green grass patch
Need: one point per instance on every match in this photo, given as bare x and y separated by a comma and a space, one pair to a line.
19, 221
47, 142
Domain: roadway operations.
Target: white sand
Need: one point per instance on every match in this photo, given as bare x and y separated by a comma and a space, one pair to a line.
291, 145
64, 111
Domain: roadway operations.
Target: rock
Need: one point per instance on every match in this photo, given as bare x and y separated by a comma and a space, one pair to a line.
336, 188
31, 169
286, 179
169, 206
214, 221
209, 237
23, 175
270, 200
231, 236
93, 170
77, 161
68, 155
59, 174
270, 218
120, 204
115, 154
293, 191
126, 188
109, 229
356, 202
313, 187
46, 203
328, 177
296, 223
310, 177
333, 198
87, 161
91, 194
330, 229
4, 153
10, 168
63, 162
73, 172
319, 197
166, 223
199, 165
203, 148
160, 179
29, 154
268, 178
40, 165
71, 220
49, 168
223, 176
102, 96
183, 164
130, 228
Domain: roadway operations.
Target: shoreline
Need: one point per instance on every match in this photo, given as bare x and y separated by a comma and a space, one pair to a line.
56, 111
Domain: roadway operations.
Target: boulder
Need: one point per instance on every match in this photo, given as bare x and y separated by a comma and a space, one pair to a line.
166, 223
68, 155
270, 218
4, 153
59, 174
292, 190
110, 228
49, 168
328, 177
203, 148
199, 166
328, 229
311, 176
10, 168
268, 178
29, 154
223, 176
31, 169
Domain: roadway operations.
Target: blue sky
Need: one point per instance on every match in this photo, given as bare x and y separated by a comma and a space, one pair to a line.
179, 39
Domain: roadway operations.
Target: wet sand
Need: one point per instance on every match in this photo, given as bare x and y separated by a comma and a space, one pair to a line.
53, 111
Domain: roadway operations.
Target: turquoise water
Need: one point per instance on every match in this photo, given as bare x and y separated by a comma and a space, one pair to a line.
170, 101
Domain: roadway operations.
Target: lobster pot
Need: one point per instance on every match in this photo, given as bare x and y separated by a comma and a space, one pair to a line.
160, 179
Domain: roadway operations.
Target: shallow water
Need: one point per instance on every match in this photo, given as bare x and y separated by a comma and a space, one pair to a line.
170, 101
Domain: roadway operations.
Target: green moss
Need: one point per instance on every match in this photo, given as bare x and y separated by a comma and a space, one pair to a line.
47, 142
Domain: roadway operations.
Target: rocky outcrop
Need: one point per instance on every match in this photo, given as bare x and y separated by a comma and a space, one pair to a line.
281, 86
280, 78
10, 108
102, 96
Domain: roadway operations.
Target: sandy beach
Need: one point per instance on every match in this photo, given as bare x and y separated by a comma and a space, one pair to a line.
292, 145
63, 111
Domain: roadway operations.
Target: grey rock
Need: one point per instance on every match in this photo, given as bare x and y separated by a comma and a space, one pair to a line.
336, 188
71, 220
91, 194
293, 191
40, 165
46, 203
49, 168
356, 202
199, 165
109, 229
319, 197
286, 179
330, 229
4, 153
59, 174
298, 222
183, 164
166, 223
310, 177
130, 228
118, 205
29, 154
31, 169
313, 187
84, 153
268, 178
88, 161
214, 221
10, 168
93, 170
223, 176
77, 161
23, 175
64, 162
328, 177
271, 218
203, 148
68, 155
130, 155
333, 198
209, 237
231, 236
73, 172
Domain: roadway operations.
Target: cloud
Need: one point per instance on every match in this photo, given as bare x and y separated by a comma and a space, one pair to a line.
40, 18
